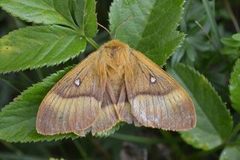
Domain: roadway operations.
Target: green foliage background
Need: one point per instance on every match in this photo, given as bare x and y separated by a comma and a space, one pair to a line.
196, 41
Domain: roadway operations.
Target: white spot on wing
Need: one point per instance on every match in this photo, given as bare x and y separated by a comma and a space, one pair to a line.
152, 79
77, 82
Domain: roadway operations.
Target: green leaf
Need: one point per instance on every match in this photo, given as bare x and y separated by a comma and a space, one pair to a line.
34, 47
17, 120
148, 25
236, 36
77, 14
231, 47
235, 86
231, 153
88, 18
230, 42
214, 123
63, 8
40, 11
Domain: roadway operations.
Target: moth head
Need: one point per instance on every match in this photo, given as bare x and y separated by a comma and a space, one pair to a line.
115, 44
115, 51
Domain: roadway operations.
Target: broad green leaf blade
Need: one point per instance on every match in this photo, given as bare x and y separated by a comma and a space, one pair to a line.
77, 14
235, 86
17, 120
230, 42
39, 11
231, 153
34, 47
148, 25
63, 8
84, 14
214, 123
236, 36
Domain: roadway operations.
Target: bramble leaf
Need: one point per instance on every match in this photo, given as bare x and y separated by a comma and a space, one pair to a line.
149, 26
214, 122
235, 86
232, 46
236, 36
84, 15
38, 46
40, 11
17, 119
231, 153
77, 14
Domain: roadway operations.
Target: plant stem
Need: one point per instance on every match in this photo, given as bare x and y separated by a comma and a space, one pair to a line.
212, 21
80, 150
231, 14
136, 139
208, 36
234, 132
92, 42
11, 147
174, 145
99, 149
40, 74
26, 77
10, 85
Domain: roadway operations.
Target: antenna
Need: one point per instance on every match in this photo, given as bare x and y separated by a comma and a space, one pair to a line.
105, 29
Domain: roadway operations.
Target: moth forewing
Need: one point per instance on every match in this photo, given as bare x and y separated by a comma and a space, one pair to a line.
114, 84
71, 107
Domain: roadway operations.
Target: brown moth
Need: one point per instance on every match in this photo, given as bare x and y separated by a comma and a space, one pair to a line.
115, 84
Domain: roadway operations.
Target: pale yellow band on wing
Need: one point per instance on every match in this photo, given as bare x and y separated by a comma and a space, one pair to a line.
64, 115
172, 111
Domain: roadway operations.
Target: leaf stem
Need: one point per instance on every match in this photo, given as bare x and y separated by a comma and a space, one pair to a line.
136, 139
80, 150
231, 14
212, 21
92, 42
11, 147
234, 132
173, 143
26, 77
208, 36
100, 150
10, 85
40, 74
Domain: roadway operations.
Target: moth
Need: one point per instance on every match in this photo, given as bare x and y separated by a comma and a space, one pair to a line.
115, 84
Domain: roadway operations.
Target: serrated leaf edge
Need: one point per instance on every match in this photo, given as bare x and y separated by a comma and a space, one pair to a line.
43, 64
214, 92
231, 82
39, 21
